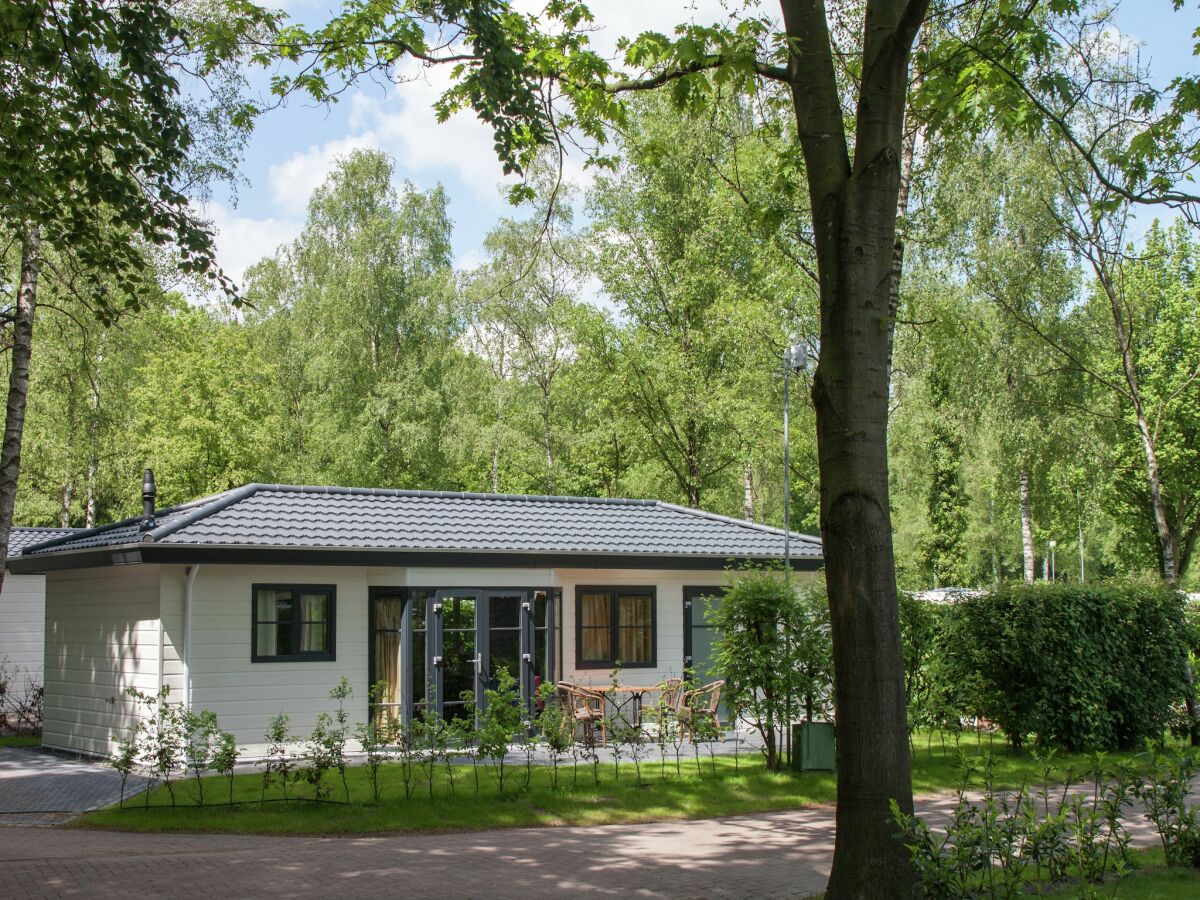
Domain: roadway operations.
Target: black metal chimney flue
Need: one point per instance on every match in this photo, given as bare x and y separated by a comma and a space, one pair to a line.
148, 494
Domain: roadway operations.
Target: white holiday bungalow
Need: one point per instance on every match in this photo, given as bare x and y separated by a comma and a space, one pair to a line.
257, 600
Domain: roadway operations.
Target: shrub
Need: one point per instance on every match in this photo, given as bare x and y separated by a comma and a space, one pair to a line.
376, 736
225, 757
1078, 667
774, 651
556, 727
162, 736
925, 694
499, 721
1001, 843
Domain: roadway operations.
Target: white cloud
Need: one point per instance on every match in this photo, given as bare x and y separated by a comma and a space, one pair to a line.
243, 240
293, 180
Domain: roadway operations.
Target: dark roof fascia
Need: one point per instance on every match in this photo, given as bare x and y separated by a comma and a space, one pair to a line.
91, 558
308, 556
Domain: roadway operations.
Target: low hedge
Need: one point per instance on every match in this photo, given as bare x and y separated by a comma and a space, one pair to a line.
1082, 667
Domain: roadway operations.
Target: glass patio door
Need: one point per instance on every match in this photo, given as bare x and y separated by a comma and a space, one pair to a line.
457, 663
431, 646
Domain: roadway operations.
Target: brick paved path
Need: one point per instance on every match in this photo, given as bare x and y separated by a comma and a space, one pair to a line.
772, 855
43, 788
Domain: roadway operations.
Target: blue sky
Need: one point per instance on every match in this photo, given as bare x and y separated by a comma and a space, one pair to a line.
294, 148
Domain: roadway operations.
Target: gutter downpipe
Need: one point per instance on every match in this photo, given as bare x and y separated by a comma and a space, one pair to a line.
192, 572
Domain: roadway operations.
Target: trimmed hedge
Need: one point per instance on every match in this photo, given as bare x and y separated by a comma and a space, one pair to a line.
1079, 667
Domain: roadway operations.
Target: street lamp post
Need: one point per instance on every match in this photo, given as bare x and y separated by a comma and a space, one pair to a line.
795, 359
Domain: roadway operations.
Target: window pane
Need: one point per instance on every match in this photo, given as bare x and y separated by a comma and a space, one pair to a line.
635, 645
316, 639
416, 670
387, 665
504, 612
635, 610
266, 640
314, 607
417, 601
595, 610
636, 615
283, 639
389, 612
597, 645
505, 650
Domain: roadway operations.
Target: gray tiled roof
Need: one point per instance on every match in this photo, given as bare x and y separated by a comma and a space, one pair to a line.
288, 516
20, 537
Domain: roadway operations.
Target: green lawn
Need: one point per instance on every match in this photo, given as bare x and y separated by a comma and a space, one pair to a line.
1150, 880
659, 796
13, 740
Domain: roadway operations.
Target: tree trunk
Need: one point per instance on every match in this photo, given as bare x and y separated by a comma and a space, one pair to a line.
748, 493
18, 383
1079, 528
1027, 551
89, 509
65, 496
854, 228
1167, 539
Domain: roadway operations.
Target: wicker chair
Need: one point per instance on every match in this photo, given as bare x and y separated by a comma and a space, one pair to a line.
584, 708
702, 704
670, 694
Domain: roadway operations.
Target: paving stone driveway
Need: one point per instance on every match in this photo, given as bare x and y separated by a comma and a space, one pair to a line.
775, 855
39, 788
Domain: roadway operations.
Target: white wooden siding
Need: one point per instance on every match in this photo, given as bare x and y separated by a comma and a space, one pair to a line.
102, 637
245, 694
22, 626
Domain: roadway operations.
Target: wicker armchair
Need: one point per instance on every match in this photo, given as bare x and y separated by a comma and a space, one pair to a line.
701, 705
586, 708
670, 695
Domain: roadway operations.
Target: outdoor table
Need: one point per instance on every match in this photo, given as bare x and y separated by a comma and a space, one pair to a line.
637, 693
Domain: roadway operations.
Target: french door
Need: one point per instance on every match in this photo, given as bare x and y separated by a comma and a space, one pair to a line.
440, 650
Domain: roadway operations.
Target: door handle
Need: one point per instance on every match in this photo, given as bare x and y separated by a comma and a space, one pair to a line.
478, 663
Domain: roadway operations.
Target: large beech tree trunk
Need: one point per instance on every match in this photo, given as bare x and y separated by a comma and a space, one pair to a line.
854, 221
18, 382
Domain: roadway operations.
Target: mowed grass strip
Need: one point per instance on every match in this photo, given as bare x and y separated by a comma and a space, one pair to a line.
18, 740
720, 787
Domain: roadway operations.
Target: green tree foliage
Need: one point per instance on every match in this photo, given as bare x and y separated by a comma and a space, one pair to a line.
1162, 300
95, 134
355, 315
703, 303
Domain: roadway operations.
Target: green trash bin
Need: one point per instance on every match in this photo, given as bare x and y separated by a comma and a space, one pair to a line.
814, 748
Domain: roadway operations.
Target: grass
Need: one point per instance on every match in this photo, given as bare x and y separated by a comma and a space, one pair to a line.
1151, 879
19, 740
725, 789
